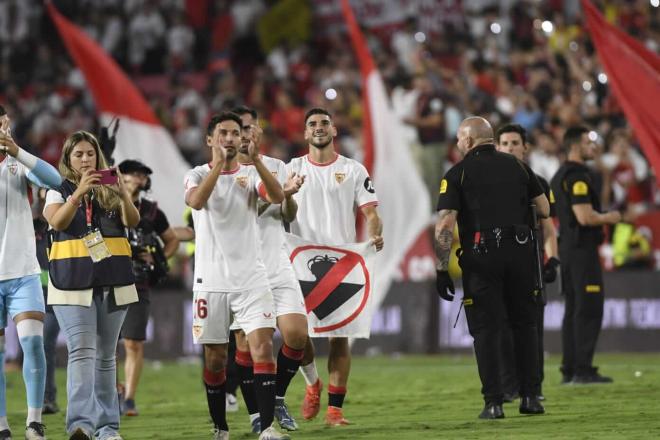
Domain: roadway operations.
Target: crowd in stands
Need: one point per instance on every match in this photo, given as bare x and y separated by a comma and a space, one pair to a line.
529, 62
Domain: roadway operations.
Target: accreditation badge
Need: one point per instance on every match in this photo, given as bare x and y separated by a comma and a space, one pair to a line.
96, 246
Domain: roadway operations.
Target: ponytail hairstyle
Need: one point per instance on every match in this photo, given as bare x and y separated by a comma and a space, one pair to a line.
106, 198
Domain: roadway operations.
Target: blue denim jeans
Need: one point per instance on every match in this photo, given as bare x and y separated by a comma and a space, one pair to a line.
91, 339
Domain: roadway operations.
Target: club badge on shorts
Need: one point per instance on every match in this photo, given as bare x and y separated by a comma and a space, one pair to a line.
96, 246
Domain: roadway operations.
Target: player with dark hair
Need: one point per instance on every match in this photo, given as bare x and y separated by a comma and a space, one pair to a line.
287, 295
230, 276
336, 188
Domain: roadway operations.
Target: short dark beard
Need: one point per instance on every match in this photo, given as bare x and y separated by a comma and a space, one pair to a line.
320, 146
244, 150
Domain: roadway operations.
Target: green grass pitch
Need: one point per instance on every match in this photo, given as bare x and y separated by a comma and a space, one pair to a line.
408, 397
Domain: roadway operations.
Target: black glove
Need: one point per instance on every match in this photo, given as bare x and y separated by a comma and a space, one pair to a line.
550, 270
444, 285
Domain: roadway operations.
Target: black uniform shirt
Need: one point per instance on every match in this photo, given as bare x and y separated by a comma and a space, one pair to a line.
488, 189
549, 194
573, 184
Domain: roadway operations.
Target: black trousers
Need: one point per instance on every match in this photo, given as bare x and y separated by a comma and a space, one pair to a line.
499, 284
510, 381
582, 286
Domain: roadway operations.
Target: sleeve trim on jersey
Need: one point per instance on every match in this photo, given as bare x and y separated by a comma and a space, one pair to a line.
374, 203
324, 164
261, 189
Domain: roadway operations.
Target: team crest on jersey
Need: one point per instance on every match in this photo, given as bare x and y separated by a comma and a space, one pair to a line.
242, 180
339, 177
274, 173
13, 168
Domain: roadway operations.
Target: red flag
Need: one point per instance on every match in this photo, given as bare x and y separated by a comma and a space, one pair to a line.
140, 135
633, 73
404, 203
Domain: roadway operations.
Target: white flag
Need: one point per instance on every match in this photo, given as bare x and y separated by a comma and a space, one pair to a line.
140, 136
338, 285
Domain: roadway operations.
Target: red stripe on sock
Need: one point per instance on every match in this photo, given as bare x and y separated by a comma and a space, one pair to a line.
289, 352
243, 358
336, 390
214, 379
264, 368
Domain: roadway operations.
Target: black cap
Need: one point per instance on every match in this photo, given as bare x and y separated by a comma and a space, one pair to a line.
131, 166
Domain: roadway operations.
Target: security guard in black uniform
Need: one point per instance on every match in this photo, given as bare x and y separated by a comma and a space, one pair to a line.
512, 139
489, 193
580, 235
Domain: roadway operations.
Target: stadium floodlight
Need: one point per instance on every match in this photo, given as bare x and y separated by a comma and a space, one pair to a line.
586, 85
495, 28
547, 26
602, 78
420, 37
331, 94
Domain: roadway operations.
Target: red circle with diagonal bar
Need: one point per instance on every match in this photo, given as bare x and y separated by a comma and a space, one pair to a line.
332, 279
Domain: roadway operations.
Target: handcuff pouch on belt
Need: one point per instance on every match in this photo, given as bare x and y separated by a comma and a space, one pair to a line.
521, 233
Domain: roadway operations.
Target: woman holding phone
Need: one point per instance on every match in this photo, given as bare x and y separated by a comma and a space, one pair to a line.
90, 282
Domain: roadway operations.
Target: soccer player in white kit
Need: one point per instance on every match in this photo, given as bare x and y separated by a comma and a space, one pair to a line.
21, 296
336, 188
230, 276
288, 299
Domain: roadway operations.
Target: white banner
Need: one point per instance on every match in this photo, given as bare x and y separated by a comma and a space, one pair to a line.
337, 283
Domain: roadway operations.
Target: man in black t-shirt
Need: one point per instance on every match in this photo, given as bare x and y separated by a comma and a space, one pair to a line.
149, 266
512, 139
580, 234
489, 194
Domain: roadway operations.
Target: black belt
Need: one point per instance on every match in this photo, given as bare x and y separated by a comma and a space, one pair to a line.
520, 233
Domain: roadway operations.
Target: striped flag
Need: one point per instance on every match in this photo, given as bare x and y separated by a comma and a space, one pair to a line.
140, 135
404, 204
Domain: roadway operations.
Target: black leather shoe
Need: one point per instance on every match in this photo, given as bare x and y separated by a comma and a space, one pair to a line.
492, 411
582, 379
531, 405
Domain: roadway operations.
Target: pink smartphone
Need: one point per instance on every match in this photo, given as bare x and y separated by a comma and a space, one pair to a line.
108, 177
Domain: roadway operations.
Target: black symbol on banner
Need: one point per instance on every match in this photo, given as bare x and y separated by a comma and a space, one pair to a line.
328, 292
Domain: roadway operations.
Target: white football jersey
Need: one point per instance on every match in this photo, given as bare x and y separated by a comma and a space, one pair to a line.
18, 255
271, 229
227, 249
330, 198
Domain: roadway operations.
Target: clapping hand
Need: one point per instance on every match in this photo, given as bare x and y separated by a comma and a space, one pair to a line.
293, 184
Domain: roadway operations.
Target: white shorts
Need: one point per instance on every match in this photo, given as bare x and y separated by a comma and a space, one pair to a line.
212, 312
287, 296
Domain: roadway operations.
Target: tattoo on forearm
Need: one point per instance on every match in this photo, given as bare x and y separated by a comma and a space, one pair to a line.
443, 239
444, 235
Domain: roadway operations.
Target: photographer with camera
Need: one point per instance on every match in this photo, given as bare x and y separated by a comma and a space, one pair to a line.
149, 266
